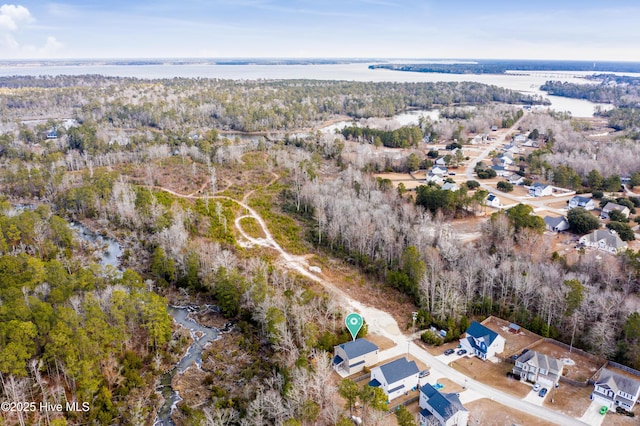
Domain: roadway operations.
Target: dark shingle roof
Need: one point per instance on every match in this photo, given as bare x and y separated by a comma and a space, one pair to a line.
358, 347
554, 221
446, 405
399, 369
479, 331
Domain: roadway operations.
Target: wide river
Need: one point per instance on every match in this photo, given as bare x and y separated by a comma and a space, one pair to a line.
529, 83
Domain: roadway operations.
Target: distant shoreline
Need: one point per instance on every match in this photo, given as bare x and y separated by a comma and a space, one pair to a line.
442, 66
502, 67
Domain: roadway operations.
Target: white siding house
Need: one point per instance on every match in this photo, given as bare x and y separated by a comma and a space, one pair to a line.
482, 341
556, 224
584, 202
396, 377
535, 367
614, 390
493, 201
352, 357
540, 190
603, 240
441, 409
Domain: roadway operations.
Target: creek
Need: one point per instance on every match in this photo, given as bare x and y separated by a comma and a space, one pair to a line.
201, 335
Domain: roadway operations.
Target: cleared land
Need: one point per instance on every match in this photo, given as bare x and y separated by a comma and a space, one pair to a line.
494, 375
514, 342
568, 399
489, 413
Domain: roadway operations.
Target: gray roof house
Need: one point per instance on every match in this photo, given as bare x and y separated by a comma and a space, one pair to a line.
615, 390
535, 367
611, 207
540, 190
556, 224
449, 186
516, 179
353, 356
395, 377
441, 409
604, 240
584, 202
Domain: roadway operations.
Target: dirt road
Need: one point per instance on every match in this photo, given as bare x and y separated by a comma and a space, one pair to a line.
382, 323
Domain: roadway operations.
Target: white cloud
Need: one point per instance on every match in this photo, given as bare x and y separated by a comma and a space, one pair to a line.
12, 16
51, 46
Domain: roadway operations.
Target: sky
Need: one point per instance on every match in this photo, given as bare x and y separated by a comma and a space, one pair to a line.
491, 29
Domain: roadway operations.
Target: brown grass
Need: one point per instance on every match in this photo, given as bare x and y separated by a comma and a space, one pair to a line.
494, 375
489, 413
381, 341
514, 343
570, 400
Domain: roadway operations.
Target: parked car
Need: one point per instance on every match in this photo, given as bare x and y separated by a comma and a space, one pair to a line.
462, 351
543, 392
424, 373
604, 409
449, 352
536, 387
624, 412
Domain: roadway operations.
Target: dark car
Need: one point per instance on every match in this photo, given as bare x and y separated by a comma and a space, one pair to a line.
543, 392
462, 351
449, 351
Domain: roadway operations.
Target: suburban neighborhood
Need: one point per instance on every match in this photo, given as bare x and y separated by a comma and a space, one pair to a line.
547, 373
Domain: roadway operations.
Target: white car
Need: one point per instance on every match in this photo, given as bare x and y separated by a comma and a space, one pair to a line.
536, 387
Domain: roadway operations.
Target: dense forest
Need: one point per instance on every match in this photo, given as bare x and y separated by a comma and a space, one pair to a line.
145, 163
183, 104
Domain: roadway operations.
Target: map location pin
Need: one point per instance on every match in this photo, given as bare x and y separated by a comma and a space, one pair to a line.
354, 324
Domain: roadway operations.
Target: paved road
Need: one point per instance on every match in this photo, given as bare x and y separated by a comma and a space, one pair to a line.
536, 203
382, 323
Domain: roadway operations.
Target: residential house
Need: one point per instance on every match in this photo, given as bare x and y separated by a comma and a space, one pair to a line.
482, 341
540, 190
440, 162
450, 186
584, 202
494, 128
353, 356
516, 179
493, 201
520, 138
506, 159
53, 133
531, 144
556, 224
396, 377
611, 207
539, 368
441, 409
439, 170
615, 390
604, 240
501, 170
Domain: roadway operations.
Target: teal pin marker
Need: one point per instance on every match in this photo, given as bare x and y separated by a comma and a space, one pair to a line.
354, 324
